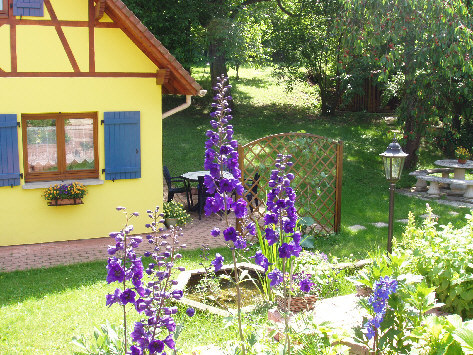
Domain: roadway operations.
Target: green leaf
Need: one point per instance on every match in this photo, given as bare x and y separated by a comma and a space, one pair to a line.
308, 242
465, 337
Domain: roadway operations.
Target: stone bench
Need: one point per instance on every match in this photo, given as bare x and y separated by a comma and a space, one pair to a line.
435, 181
421, 185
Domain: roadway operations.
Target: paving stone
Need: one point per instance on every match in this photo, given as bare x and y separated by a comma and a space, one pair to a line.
356, 228
424, 216
380, 224
342, 312
453, 213
22, 257
444, 199
404, 220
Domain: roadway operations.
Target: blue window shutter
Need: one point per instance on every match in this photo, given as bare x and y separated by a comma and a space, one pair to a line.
28, 8
122, 145
9, 164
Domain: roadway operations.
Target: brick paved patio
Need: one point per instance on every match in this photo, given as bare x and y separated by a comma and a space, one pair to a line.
23, 257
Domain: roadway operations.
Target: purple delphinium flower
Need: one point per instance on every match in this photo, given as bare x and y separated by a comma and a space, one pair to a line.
151, 298
115, 271
169, 341
272, 236
217, 262
221, 158
261, 260
113, 298
155, 346
281, 211
305, 285
276, 277
127, 296
383, 288
285, 250
230, 234
215, 232
190, 311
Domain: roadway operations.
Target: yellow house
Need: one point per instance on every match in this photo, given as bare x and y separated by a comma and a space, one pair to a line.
81, 83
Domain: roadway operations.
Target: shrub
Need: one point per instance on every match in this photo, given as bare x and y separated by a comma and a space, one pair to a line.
443, 255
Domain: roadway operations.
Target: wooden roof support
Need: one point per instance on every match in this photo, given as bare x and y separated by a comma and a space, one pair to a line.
99, 9
162, 76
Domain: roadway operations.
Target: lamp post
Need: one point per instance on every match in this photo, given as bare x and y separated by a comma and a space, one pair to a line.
393, 159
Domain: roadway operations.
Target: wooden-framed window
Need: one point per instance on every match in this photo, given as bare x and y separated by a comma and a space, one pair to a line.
60, 146
3, 8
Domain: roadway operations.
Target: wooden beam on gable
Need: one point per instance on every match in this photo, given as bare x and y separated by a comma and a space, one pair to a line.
13, 54
62, 23
99, 9
162, 76
91, 36
62, 36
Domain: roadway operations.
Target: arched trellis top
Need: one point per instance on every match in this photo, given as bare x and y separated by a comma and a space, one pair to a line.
318, 166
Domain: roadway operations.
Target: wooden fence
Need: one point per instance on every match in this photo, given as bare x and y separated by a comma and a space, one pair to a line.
318, 176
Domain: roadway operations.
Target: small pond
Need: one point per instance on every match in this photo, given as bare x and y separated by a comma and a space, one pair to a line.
219, 291
218, 294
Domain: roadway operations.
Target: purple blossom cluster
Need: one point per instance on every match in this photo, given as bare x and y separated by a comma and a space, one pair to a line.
281, 218
151, 297
221, 155
383, 288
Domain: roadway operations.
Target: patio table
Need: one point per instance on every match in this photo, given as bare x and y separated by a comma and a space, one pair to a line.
194, 175
459, 171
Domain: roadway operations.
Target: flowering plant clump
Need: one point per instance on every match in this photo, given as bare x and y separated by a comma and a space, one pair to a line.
150, 297
280, 221
65, 191
462, 153
175, 209
302, 284
383, 288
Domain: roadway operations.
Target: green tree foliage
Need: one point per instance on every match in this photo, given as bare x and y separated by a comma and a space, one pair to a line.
176, 24
219, 32
306, 46
423, 49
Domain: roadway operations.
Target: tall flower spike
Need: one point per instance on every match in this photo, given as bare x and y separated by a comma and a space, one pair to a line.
281, 210
383, 288
221, 156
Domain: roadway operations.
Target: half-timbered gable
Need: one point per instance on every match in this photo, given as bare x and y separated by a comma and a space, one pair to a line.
80, 89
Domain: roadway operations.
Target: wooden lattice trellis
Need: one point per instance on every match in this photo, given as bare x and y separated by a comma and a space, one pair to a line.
318, 176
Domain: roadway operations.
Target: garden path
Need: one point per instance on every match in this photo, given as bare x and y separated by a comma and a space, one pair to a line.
22, 257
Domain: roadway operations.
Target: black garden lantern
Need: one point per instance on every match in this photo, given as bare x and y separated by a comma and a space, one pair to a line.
393, 159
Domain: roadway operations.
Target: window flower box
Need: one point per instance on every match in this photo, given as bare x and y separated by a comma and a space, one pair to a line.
65, 202
65, 194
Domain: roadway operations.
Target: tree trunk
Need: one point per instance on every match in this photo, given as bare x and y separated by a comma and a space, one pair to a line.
413, 139
409, 107
217, 61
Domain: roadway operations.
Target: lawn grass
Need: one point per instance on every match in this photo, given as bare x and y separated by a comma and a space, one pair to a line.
41, 310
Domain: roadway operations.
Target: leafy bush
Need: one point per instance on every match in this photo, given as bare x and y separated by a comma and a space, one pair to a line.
444, 335
107, 341
443, 255
175, 209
